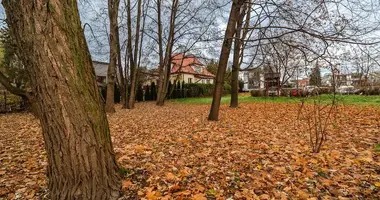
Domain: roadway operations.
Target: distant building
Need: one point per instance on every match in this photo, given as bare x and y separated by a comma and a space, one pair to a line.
303, 82
252, 79
101, 69
187, 69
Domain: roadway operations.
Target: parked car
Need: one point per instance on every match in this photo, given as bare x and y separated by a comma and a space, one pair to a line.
346, 90
310, 88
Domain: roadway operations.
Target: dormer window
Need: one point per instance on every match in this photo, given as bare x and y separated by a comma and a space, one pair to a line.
197, 68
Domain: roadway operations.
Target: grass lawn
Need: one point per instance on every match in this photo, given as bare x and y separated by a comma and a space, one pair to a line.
245, 98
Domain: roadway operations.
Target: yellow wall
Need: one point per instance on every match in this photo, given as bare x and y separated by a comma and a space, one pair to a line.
182, 77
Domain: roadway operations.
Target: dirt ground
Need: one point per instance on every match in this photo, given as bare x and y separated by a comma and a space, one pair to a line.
258, 151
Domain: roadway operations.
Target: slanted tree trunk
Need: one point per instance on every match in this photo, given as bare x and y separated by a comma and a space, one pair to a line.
77, 139
223, 60
113, 7
164, 79
237, 56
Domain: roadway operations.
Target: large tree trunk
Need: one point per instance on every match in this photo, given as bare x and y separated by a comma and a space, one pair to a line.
165, 77
113, 7
236, 60
223, 60
51, 42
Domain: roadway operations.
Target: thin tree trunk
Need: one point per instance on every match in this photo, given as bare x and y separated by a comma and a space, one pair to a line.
163, 88
223, 60
134, 67
160, 49
238, 54
120, 67
77, 139
113, 7
126, 75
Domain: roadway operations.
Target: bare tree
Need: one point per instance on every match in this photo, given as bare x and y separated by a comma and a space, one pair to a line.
165, 76
238, 43
113, 10
223, 60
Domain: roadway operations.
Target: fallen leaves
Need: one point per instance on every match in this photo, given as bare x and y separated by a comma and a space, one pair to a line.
255, 152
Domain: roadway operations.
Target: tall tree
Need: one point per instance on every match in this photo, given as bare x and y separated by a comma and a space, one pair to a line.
223, 60
113, 10
237, 54
50, 41
133, 55
165, 74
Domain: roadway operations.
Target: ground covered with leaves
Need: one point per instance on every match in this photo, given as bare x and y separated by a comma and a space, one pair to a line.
258, 151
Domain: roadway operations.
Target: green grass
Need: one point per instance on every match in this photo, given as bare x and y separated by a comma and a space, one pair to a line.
343, 99
377, 148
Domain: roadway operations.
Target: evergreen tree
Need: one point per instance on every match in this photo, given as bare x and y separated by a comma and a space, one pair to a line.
178, 90
153, 91
315, 77
148, 96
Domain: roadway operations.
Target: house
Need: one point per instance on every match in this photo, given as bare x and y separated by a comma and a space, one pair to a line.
253, 79
187, 69
374, 78
303, 82
101, 69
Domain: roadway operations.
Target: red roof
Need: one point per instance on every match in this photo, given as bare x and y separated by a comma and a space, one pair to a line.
189, 61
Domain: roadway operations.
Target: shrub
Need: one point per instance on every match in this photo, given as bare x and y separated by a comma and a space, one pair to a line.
153, 91
103, 91
375, 90
324, 90
139, 93
227, 88
258, 92
198, 89
241, 85
148, 95
286, 92
298, 93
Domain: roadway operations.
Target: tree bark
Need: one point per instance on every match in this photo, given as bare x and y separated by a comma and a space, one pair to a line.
134, 55
77, 139
236, 60
223, 60
160, 49
164, 79
121, 73
113, 7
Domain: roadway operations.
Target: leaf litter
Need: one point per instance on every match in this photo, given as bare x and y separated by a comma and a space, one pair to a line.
258, 151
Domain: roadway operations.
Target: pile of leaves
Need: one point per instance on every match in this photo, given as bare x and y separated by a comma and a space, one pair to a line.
258, 151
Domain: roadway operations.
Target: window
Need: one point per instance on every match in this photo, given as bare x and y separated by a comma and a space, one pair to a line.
189, 80
208, 81
197, 69
203, 81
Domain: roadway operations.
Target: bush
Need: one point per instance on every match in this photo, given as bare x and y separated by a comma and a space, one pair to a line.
103, 91
139, 94
324, 90
258, 92
198, 89
286, 92
241, 85
148, 95
227, 88
375, 90
298, 93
